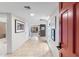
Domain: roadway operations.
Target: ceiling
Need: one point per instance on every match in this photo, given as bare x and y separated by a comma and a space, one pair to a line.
40, 9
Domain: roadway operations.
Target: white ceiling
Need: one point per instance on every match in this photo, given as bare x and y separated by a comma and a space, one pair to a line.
41, 9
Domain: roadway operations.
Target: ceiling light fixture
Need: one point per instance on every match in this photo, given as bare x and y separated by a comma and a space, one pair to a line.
32, 14
27, 7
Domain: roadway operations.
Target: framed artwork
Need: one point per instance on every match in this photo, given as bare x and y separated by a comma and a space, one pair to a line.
34, 29
19, 26
53, 34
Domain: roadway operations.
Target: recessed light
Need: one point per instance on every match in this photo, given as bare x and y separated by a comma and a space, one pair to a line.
32, 14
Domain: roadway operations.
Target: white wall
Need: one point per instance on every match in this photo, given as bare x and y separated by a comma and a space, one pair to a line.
57, 28
52, 44
51, 20
26, 30
3, 18
18, 38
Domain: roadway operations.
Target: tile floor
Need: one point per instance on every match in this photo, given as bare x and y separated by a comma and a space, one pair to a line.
33, 48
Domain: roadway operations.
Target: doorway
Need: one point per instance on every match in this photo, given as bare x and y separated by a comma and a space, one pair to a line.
42, 30
3, 39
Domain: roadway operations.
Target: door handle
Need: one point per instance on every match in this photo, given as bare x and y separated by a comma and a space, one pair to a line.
63, 45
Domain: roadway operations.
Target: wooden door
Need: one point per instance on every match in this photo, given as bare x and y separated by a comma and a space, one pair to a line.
64, 29
77, 30
67, 30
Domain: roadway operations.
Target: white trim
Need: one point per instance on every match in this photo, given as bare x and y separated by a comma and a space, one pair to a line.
8, 31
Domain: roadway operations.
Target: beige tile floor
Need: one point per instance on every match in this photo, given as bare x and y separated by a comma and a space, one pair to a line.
33, 48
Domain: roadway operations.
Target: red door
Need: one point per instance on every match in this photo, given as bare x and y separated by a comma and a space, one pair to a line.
67, 19
77, 29
64, 29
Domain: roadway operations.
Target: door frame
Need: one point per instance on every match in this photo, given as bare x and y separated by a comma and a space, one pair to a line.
8, 32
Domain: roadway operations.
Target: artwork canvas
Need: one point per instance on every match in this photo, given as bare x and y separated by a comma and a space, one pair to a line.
34, 29
19, 26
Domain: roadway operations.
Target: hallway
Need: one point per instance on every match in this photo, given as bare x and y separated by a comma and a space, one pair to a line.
33, 48
39, 29
30, 32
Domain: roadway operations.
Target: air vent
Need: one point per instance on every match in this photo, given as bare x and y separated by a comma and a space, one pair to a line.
27, 7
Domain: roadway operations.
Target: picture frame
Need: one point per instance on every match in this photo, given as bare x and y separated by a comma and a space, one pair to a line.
53, 34
34, 29
19, 26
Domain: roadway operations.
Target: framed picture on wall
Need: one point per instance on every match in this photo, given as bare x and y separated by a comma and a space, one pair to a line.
53, 34
34, 29
19, 26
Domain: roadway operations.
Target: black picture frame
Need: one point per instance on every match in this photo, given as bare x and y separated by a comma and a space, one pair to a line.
53, 34
19, 26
